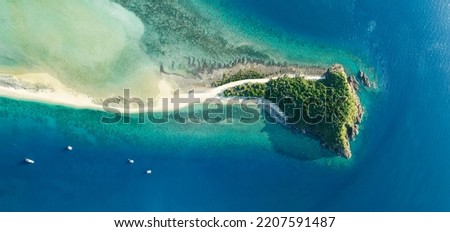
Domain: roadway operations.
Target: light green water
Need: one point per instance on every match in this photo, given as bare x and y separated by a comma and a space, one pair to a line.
92, 46
100, 47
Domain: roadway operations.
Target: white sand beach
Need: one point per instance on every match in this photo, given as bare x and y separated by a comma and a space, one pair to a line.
42, 87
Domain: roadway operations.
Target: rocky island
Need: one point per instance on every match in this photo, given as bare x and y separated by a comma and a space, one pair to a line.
327, 109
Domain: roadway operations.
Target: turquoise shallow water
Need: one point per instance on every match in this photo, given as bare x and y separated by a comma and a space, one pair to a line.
400, 159
185, 159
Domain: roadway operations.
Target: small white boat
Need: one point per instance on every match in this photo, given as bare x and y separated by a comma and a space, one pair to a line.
69, 148
149, 172
30, 161
130, 161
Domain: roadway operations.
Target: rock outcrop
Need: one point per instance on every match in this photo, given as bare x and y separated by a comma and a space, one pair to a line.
353, 82
364, 79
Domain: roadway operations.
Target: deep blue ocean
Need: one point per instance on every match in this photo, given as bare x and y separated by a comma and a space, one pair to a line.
401, 159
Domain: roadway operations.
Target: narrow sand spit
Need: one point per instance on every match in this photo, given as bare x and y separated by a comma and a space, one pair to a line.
41, 87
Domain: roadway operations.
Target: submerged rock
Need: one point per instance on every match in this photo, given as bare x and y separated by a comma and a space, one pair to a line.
364, 79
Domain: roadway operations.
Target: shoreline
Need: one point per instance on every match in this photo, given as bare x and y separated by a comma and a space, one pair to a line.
43, 88
334, 134
49, 90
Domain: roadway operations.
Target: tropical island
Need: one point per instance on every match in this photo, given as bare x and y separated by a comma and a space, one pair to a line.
327, 108
162, 47
324, 106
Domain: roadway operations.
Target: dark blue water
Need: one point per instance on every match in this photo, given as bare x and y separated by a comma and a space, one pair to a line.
402, 163
406, 151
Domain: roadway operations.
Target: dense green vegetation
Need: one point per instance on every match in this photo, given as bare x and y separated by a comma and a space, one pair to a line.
325, 109
251, 90
241, 75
